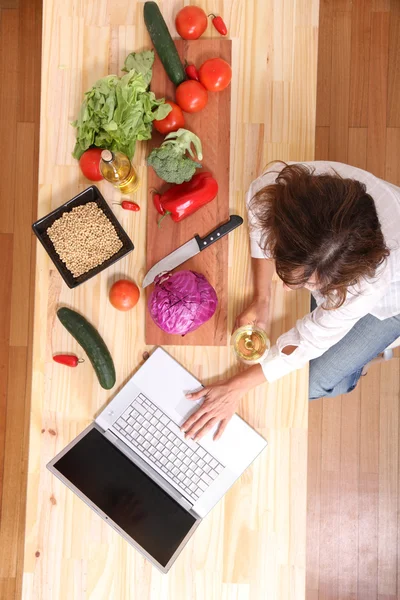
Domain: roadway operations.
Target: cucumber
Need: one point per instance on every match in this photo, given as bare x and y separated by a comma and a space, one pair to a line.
92, 343
163, 42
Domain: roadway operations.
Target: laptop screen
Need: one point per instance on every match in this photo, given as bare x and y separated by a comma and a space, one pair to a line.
126, 495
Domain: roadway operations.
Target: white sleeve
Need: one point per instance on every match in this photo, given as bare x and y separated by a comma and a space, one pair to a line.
322, 329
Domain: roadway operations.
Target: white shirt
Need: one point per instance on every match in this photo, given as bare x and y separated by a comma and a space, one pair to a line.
380, 297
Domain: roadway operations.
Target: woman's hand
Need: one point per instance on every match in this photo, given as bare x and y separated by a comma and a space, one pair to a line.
220, 404
256, 314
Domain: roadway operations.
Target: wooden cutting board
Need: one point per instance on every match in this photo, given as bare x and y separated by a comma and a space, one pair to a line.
212, 125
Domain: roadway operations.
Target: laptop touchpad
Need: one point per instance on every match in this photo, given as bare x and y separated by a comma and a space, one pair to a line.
184, 408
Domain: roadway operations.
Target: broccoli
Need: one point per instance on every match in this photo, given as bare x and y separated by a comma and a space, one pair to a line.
170, 161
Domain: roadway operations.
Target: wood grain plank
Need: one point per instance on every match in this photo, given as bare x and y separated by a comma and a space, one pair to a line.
349, 495
388, 478
8, 110
377, 94
357, 152
392, 166
322, 143
28, 397
393, 100
314, 496
324, 72
369, 485
380, 5
359, 71
9, 3
29, 54
340, 87
13, 477
212, 125
302, 111
330, 499
7, 588
25, 198
6, 266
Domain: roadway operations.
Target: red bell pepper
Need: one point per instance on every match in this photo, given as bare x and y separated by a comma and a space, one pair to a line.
183, 199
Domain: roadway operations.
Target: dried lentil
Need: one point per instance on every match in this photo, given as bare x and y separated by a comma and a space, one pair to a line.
84, 238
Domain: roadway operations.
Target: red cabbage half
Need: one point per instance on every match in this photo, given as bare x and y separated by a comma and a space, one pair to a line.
182, 301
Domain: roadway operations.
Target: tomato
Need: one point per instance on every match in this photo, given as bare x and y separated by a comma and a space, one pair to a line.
191, 22
191, 96
124, 294
89, 163
215, 74
172, 122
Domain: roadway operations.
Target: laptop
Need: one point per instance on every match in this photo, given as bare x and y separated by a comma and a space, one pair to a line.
134, 467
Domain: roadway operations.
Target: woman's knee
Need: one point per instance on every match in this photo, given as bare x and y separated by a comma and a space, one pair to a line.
317, 388
321, 387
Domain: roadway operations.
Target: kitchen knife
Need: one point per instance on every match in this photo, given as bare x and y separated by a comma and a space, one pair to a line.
190, 249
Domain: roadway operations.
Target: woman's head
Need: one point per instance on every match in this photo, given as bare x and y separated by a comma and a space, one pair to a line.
320, 229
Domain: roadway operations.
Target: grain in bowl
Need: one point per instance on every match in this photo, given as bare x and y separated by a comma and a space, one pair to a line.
84, 238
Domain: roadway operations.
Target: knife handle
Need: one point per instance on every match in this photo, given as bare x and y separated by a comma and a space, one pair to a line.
224, 229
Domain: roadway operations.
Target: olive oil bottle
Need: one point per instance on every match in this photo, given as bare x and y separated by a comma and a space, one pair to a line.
118, 170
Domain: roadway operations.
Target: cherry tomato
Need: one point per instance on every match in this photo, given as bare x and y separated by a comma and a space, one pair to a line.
89, 163
191, 96
215, 74
124, 294
172, 122
191, 22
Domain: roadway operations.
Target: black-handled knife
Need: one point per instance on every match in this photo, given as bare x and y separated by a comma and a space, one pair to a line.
214, 236
190, 249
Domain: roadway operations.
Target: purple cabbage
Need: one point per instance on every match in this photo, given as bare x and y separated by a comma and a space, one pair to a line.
182, 301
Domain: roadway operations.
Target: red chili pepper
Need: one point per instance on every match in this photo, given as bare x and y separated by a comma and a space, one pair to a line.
127, 205
157, 203
219, 24
70, 360
184, 199
192, 72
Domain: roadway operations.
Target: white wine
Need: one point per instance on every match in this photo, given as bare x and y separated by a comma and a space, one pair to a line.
251, 344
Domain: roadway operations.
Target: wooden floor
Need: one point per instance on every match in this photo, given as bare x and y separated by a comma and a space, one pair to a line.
353, 442
20, 34
353, 458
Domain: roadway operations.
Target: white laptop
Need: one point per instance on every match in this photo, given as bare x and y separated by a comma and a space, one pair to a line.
134, 467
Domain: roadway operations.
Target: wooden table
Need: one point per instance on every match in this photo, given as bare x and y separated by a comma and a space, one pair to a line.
252, 545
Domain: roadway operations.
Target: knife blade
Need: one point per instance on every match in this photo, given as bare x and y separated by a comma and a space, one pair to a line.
189, 249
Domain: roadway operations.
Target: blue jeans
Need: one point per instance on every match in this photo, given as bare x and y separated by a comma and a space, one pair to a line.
338, 370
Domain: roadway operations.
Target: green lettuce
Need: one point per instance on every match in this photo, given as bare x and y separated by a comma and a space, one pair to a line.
118, 111
142, 62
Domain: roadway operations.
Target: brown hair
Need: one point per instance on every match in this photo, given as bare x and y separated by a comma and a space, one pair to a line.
319, 224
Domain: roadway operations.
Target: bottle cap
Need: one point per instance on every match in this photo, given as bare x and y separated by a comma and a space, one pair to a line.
106, 155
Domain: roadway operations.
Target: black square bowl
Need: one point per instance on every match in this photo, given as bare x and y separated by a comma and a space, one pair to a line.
91, 194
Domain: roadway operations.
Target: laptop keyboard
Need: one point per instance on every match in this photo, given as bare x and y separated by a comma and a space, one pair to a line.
153, 433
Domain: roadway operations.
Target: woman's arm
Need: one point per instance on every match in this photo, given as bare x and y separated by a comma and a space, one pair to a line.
320, 330
258, 311
220, 402
263, 271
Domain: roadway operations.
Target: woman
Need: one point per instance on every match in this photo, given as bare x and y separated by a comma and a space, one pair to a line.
335, 230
